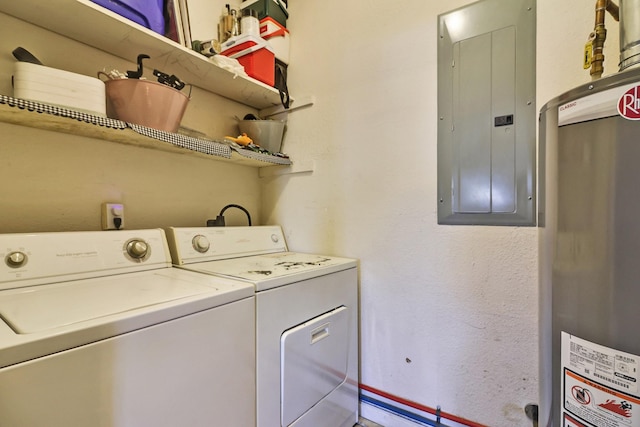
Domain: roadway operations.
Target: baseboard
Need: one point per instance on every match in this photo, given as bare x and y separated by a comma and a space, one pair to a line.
391, 414
384, 417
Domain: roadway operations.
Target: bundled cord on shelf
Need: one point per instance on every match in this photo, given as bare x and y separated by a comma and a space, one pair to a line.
219, 221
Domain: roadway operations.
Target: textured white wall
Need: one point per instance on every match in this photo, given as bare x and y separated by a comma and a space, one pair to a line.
459, 302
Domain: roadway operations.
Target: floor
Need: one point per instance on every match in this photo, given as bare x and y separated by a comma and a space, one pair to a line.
366, 423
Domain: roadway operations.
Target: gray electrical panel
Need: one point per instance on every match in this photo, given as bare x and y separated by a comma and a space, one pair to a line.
487, 114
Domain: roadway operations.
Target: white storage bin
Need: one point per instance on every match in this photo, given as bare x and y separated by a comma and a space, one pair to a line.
62, 88
277, 36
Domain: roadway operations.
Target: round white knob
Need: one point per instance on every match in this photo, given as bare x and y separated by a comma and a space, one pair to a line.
201, 243
16, 259
137, 249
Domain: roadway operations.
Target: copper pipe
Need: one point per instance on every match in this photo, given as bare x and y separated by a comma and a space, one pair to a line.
599, 35
613, 10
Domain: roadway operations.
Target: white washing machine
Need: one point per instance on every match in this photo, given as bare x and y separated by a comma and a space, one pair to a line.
98, 329
306, 320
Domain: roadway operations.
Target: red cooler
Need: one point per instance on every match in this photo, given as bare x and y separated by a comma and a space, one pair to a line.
255, 55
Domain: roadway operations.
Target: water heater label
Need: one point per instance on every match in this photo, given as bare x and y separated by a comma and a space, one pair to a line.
629, 104
599, 385
606, 103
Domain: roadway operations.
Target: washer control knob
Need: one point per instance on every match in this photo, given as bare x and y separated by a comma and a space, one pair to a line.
200, 243
137, 249
275, 238
16, 259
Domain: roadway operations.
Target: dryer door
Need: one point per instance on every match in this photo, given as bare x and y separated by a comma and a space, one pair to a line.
313, 362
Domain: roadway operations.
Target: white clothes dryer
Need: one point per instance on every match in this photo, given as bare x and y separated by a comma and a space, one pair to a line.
98, 329
306, 320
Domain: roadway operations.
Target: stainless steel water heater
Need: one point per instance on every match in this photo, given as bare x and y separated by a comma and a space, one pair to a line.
589, 217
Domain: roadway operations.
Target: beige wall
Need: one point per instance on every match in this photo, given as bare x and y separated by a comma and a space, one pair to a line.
54, 181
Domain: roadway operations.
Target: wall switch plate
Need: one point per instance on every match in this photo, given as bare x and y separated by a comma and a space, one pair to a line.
112, 216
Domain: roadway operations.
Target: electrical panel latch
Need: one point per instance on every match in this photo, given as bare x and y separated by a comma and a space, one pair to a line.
503, 120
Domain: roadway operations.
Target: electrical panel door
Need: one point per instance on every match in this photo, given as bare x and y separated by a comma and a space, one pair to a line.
486, 109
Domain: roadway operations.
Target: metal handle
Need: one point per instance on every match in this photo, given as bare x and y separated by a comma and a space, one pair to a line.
320, 333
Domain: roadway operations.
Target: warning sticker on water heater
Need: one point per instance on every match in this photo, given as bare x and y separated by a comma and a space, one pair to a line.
599, 385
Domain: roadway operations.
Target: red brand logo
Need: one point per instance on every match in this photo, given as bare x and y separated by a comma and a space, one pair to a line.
629, 104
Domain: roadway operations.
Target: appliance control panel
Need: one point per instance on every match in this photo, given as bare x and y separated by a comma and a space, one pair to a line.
36, 258
199, 244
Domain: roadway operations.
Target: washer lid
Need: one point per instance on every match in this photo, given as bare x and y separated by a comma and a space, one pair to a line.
42, 308
272, 270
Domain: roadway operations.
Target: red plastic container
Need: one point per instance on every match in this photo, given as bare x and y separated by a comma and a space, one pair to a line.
255, 55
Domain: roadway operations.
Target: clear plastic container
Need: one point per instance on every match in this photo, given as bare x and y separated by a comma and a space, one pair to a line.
249, 23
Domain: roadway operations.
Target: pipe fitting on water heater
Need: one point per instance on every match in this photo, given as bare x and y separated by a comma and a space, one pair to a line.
628, 15
593, 52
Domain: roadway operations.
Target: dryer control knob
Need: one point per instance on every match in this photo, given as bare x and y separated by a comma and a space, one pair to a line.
200, 243
16, 259
137, 249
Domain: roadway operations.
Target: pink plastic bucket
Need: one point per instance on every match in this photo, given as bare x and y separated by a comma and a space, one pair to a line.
145, 103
